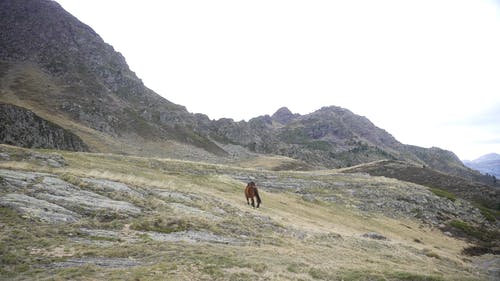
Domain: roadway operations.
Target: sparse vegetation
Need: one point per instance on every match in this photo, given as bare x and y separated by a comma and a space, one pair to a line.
431, 254
443, 193
475, 232
489, 214
165, 224
392, 276
289, 238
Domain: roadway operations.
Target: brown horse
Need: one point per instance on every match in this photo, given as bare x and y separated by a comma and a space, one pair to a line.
250, 192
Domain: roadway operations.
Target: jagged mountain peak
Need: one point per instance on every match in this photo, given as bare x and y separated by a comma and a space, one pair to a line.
282, 111
284, 115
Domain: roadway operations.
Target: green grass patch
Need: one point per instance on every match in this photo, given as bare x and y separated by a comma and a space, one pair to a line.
318, 145
474, 231
489, 214
443, 193
359, 275
413, 277
321, 274
295, 267
163, 225
466, 228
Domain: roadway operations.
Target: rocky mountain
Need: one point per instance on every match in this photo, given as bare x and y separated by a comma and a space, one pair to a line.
486, 164
57, 66
330, 137
60, 69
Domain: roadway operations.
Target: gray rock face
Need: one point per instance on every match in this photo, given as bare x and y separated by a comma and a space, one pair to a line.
112, 186
65, 194
284, 116
374, 235
21, 127
100, 262
17, 179
54, 200
35, 208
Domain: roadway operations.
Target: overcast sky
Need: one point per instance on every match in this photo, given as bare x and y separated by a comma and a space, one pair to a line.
428, 72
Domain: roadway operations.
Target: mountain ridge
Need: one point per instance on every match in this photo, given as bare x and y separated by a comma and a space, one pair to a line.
63, 71
487, 164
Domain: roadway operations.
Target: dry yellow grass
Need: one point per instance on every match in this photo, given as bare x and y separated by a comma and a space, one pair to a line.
315, 241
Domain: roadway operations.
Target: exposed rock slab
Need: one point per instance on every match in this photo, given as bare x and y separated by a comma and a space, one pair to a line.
101, 262
41, 209
18, 179
65, 194
52, 199
374, 235
112, 186
191, 236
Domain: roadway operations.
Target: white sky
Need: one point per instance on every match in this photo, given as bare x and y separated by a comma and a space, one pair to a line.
427, 71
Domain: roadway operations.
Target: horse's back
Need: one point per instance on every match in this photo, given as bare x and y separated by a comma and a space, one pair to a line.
248, 191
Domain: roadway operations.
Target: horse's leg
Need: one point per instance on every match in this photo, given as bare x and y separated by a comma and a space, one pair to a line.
248, 202
253, 203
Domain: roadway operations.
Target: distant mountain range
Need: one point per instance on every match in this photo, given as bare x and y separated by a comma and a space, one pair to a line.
486, 164
58, 68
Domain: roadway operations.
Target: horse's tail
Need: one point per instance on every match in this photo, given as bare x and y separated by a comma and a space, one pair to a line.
257, 195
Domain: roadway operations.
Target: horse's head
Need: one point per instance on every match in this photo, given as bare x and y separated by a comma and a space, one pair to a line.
252, 184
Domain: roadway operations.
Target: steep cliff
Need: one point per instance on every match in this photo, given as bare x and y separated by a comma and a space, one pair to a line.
21, 127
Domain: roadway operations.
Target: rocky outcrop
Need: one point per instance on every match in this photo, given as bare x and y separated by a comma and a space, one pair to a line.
390, 197
458, 186
51, 199
284, 116
22, 127
31, 207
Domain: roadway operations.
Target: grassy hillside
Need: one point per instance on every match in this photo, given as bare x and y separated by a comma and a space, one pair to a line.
475, 191
112, 217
